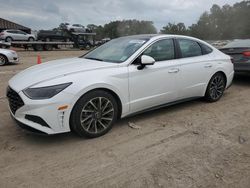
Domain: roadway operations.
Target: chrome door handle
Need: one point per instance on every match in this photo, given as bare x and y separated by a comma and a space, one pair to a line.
208, 65
174, 70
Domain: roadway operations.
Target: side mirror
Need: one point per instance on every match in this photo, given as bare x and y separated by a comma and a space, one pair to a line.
145, 60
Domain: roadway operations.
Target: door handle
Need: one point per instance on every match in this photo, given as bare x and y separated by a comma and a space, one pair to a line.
208, 65
174, 70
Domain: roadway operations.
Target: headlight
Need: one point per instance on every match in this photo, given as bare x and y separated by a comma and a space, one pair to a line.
45, 92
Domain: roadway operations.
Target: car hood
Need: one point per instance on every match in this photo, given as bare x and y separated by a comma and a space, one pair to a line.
54, 69
5, 51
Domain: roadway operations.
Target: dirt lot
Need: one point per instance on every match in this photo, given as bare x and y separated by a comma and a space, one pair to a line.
195, 144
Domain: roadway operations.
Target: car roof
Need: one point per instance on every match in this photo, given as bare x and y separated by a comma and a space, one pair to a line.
239, 43
159, 36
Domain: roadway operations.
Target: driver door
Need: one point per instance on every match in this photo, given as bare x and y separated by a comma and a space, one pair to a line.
155, 84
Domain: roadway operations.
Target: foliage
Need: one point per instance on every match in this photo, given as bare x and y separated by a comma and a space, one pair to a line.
116, 29
226, 22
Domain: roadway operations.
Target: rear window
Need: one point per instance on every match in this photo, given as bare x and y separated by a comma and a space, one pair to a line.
189, 48
205, 49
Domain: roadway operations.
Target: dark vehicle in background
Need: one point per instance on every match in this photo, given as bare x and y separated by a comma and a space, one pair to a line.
239, 50
52, 35
83, 41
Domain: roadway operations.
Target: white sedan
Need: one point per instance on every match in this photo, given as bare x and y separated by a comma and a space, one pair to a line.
8, 56
125, 76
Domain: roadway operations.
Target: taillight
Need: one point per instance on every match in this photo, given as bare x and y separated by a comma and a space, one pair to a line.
1, 34
247, 53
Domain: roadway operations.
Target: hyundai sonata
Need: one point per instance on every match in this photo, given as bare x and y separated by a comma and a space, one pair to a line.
123, 77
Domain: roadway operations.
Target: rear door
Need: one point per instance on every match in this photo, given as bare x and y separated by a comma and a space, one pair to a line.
22, 35
196, 68
19, 35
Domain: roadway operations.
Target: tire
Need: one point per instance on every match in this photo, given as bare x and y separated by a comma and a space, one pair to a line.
38, 47
66, 40
216, 87
87, 47
3, 60
8, 39
89, 118
31, 39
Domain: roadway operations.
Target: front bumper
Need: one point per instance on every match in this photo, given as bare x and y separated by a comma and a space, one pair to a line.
43, 116
13, 59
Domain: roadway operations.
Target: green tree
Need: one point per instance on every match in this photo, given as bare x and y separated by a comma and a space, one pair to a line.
171, 28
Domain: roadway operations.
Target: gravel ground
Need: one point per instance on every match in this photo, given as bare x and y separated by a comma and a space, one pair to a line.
194, 144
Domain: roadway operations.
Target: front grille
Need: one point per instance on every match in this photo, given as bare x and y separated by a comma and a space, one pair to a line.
15, 101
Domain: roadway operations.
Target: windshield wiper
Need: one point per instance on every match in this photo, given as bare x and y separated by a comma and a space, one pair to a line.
92, 58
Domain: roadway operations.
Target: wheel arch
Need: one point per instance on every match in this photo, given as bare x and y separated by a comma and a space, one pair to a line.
218, 71
112, 92
8, 37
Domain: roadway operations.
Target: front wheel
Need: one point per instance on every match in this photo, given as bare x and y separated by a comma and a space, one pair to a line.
3, 60
94, 114
216, 87
8, 39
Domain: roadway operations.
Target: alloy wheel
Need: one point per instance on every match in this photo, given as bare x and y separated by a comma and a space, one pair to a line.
2, 60
217, 87
97, 115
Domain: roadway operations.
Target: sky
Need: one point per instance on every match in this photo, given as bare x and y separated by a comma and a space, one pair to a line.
48, 14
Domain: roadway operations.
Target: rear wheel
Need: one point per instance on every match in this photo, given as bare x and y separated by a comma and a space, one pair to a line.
31, 39
215, 88
94, 114
3, 60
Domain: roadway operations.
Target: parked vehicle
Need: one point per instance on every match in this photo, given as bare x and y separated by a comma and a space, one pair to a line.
83, 41
8, 56
239, 50
76, 28
16, 35
122, 77
52, 35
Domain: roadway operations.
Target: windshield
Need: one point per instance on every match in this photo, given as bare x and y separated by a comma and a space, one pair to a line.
117, 50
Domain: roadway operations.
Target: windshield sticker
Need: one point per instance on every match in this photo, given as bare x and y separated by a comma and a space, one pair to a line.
123, 58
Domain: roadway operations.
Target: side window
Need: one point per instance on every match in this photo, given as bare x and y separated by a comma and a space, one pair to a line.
205, 49
20, 32
161, 50
189, 48
11, 31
